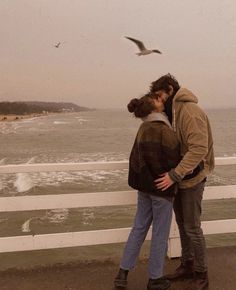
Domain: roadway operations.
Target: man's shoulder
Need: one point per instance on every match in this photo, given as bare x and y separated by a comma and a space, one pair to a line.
192, 109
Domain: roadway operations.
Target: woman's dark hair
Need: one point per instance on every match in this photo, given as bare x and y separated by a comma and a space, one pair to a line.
163, 83
141, 107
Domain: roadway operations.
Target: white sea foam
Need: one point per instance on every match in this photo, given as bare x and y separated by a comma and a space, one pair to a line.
3, 161
1, 185
218, 180
30, 120
23, 182
57, 215
81, 119
51, 216
87, 217
60, 122
31, 160
25, 228
5, 128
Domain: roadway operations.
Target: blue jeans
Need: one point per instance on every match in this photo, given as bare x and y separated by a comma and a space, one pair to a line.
150, 209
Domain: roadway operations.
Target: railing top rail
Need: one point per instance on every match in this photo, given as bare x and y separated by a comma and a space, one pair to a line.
54, 167
109, 165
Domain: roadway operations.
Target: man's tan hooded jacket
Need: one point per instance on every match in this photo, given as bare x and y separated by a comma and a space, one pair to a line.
194, 134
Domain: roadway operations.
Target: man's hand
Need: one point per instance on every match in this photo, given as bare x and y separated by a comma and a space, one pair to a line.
163, 182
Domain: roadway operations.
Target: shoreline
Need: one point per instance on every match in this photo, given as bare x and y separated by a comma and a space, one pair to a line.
15, 117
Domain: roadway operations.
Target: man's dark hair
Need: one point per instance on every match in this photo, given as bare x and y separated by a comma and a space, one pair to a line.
164, 82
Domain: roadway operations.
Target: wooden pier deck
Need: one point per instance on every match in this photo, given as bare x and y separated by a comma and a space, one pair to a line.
98, 275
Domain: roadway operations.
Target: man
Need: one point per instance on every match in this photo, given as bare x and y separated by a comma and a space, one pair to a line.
194, 134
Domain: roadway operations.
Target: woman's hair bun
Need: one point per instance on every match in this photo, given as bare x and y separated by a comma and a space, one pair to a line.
133, 104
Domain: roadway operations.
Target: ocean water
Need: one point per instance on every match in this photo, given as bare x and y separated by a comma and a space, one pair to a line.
102, 135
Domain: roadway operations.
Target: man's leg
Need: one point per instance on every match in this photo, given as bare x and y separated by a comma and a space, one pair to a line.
187, 253
191, 205
185, 270
192, 198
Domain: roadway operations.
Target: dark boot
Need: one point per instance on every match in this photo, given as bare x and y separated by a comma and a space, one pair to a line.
121, 278
184, 271
158, 284
200, 281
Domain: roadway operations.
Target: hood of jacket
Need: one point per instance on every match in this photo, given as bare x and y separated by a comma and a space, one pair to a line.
185, 95
182, 96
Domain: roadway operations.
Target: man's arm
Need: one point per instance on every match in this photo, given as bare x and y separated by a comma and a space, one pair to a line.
195, 132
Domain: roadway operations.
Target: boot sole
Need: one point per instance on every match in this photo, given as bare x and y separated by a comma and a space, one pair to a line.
120, 283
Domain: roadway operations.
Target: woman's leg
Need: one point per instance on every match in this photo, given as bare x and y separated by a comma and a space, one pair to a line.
162, 215
142, 222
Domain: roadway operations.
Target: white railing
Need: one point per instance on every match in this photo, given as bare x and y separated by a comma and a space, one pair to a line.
97, 199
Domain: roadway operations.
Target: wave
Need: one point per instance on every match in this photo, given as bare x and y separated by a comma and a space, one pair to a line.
57, 215
60, 122
30, 120
81, 120
3, 161
23, 181
25, 228
51, 216
88, 217
1, 185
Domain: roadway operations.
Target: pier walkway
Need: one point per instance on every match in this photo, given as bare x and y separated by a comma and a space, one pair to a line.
98, 275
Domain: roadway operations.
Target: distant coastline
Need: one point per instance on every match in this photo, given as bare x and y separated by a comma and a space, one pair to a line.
16, 117
16, 111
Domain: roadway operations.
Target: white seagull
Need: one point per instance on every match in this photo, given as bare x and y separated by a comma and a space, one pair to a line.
142, 48
57, 45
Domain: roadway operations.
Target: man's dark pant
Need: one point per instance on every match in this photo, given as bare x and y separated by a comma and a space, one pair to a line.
187, 207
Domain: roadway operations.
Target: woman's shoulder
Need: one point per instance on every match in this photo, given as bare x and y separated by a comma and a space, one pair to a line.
154, 124
151, 130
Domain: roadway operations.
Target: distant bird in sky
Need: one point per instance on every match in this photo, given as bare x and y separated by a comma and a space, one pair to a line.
142, 48
57, 45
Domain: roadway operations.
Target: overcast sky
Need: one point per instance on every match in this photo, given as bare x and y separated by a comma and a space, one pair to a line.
97, 67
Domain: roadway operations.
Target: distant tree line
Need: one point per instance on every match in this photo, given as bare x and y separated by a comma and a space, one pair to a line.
24, 108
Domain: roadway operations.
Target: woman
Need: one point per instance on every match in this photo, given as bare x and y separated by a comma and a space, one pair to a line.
154, 152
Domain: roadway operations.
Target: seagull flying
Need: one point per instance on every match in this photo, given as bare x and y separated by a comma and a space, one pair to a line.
57, 45
142, 48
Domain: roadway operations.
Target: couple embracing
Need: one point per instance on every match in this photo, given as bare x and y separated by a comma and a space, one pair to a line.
169, 162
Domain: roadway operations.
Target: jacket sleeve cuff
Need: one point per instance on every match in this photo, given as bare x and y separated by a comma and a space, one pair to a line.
174, 176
